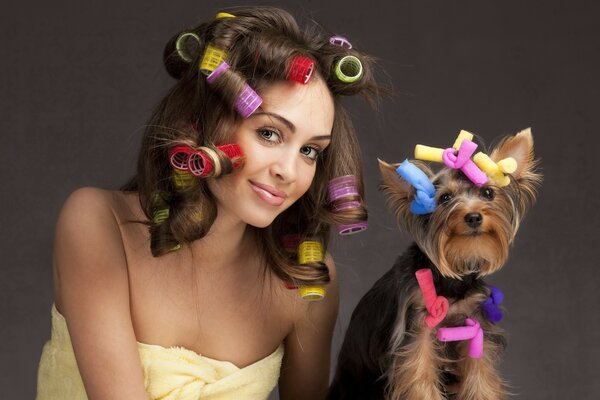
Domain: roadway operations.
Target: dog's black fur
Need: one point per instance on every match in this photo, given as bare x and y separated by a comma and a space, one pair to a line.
364, 356
389, 351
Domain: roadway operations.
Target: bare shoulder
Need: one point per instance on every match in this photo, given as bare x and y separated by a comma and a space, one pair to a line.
87, 246
92, 292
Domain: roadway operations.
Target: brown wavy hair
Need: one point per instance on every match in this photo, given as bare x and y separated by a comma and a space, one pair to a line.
259, 43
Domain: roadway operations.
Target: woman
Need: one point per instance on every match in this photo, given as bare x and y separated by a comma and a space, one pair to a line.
192, 280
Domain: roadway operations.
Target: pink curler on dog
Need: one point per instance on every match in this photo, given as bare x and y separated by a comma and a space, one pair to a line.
463, 161
471, 331
437, 306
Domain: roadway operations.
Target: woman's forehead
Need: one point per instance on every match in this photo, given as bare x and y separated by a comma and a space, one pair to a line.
303, 105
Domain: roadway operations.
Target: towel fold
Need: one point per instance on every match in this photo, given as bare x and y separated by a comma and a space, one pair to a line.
172, 373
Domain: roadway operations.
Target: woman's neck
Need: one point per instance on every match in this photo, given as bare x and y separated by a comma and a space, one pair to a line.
226, 242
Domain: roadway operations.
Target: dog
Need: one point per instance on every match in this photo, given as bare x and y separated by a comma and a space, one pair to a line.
401, 343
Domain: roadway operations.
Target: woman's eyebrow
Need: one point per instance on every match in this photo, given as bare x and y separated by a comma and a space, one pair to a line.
289, 124
321, 137
285, 121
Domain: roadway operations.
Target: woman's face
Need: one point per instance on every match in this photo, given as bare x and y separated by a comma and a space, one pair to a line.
281, 142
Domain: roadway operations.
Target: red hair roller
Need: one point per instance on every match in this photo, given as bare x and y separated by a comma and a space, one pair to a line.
301, 69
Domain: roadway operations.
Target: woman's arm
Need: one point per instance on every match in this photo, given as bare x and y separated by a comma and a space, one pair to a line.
305, 369
92, 292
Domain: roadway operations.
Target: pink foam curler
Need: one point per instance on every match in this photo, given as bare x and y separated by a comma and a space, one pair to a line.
437, 306
463, 161
471, 331
178, 157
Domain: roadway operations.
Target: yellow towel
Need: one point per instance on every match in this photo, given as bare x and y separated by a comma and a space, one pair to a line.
172, 373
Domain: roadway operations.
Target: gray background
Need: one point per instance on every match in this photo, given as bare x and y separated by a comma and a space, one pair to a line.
79, 81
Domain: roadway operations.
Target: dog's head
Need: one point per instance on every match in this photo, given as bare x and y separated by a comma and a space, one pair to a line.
471, 228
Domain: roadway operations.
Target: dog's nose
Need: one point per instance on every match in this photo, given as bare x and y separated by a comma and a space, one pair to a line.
473, 219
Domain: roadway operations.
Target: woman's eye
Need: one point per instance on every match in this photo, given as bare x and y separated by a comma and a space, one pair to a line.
487, 193
445, 198
269, 135
310, 152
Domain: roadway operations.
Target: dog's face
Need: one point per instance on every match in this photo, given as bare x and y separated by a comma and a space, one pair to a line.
472, 227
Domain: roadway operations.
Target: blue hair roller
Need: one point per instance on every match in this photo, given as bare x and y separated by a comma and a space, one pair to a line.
424, 202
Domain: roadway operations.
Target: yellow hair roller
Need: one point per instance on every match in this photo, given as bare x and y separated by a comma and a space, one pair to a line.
222, 15
182, 179
427, 153
462, 136
160, 216
213, 57
311, 251
496, 171
312, 293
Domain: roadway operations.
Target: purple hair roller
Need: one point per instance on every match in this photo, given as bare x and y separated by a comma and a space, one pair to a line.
342, 187
341, 41
218, 71
348, 205
248, 101
352, 228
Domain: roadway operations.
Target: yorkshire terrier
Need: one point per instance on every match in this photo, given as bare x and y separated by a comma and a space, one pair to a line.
427, 329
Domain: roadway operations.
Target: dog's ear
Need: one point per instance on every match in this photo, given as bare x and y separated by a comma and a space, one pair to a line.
519, 147
527, 176
392, 183
398, 192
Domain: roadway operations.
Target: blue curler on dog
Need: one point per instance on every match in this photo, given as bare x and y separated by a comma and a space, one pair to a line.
424, 202
491, 306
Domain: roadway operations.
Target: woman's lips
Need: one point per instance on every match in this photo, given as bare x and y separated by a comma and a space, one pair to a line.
269, 194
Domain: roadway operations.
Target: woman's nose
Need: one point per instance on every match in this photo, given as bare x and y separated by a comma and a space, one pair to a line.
284, 168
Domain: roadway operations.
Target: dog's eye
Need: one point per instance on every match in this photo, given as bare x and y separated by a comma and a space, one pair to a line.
445, 198
487, 193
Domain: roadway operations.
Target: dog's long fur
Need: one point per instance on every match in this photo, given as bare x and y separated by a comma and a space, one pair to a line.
389, 352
